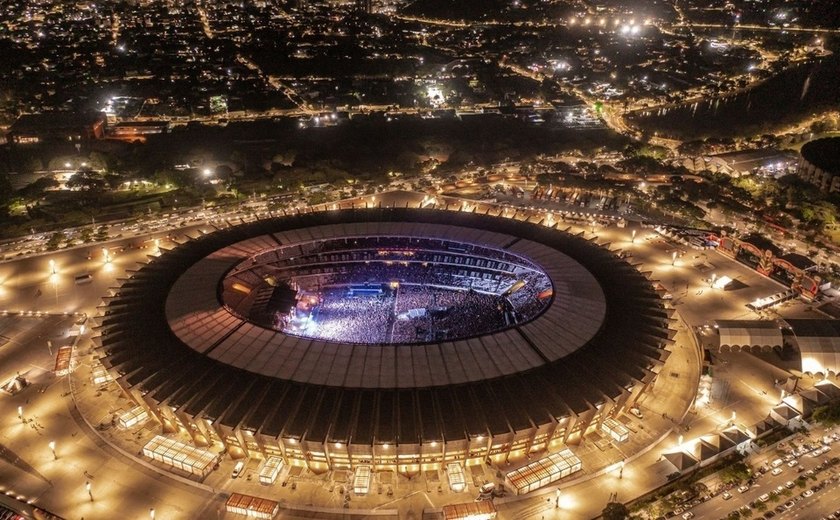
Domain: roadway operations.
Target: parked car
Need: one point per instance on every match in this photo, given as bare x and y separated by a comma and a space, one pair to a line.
237, 469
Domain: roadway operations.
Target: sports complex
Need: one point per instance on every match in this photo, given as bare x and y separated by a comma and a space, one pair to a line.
397, 338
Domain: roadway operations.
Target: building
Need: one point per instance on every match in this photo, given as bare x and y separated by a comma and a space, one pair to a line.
760, 253
138, 129
57, 126
819, 164
751, 162
533, 387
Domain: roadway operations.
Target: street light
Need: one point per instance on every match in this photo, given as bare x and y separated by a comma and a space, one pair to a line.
90, 493
20, 414
52, 266
674, 258
152, 513
633, 236
52, 447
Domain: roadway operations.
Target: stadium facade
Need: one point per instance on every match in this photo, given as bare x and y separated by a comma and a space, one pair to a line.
819, 164
179, 338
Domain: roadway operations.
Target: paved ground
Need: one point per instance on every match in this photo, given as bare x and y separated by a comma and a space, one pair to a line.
746, 381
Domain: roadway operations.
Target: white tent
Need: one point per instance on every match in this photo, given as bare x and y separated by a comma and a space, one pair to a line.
749, 333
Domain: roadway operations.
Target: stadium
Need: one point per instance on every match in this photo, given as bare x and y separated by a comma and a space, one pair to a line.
402, 338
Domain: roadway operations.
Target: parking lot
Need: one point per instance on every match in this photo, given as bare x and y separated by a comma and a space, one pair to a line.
797, 479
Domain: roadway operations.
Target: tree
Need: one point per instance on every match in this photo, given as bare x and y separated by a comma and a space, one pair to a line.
828, 415
86, 234
35, 190
54, 241
735, 473
615, 511
5, 189
86, 181
113, 180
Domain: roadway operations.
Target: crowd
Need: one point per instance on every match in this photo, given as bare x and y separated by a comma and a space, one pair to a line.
446, 303
448, 314
352, 319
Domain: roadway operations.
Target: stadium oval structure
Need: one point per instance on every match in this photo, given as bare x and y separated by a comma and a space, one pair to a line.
181, 336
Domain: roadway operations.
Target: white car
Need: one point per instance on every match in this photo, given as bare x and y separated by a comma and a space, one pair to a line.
638, 413
807, 493
688, 515
743, 489
793, 463
237, 469
727, 495
776, 471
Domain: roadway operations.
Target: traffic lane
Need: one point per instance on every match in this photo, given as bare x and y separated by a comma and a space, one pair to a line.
821, 504
36, 283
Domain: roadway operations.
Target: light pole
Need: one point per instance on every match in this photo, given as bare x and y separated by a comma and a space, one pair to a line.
152, 513
90, 493
52, 447
557, 499
621, 471
20, 414
52, 266
633, 237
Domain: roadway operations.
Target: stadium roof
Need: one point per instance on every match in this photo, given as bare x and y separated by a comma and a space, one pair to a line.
202, 322
823, 153
166, 333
